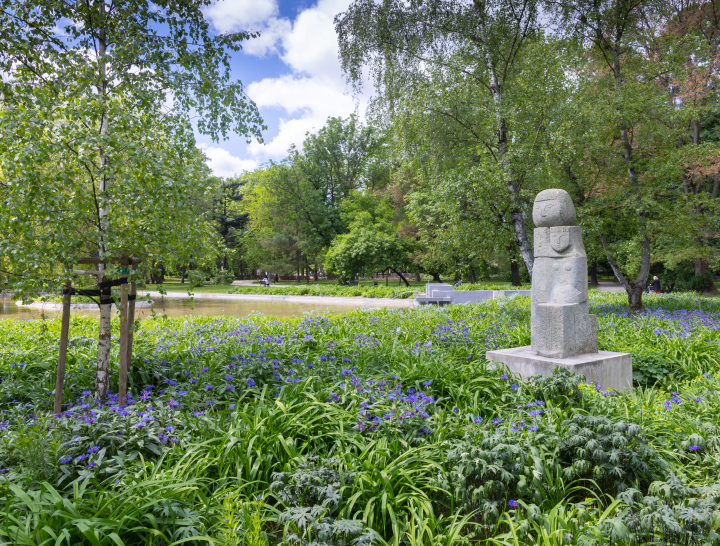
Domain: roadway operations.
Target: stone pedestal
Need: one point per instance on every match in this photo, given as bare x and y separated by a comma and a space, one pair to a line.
609, 370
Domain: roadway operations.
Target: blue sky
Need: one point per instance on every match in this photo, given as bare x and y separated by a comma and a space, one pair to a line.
292, 73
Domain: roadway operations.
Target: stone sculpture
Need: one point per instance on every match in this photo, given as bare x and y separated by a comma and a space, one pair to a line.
560, 324
562, 332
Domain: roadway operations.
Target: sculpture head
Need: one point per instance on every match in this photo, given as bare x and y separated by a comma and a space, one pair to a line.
553, 208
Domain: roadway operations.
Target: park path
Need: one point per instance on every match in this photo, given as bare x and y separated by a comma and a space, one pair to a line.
609, 286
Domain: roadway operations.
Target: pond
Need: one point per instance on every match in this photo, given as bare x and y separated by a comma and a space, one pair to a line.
179, 308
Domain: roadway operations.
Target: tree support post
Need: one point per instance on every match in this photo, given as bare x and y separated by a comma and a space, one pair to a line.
127, 319
62, 355
124, 329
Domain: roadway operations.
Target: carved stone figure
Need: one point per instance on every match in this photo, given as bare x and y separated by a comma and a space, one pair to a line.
560, 324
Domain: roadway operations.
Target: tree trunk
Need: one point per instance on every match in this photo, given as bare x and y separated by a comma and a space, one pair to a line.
417, 276
403, 278
102, 368
515, 273
702, 268
473, 279
436, 277
593, 274
514, 183
635, 298
182, 275
634, 289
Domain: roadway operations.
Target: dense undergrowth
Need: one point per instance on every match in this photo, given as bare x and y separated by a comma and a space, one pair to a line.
379, 426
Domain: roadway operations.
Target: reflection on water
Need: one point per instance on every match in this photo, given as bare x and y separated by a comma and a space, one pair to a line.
181, 308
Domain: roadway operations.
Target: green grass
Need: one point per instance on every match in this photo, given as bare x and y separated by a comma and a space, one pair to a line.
313, 429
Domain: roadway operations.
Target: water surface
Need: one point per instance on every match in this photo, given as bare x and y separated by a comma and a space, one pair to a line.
181, 308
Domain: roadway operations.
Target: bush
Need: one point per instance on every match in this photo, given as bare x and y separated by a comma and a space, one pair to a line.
562, 388
312, 494
672, 514
614, 455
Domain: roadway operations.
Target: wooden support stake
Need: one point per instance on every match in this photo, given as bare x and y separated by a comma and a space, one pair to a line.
62, 355
127, 308
124, 329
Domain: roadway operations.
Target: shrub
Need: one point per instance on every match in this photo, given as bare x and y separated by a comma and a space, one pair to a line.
672, 514
562, 388
311, 495
614, 455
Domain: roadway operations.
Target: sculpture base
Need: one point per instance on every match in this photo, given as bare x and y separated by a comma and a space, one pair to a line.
609, 370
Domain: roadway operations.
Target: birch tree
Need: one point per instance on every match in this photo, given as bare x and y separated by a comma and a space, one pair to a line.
98, 152
404, 43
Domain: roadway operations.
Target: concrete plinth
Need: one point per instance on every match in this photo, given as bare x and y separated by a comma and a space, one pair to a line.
607, 369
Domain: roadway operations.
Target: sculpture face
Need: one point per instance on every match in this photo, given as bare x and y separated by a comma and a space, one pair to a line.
559, 240
553, 208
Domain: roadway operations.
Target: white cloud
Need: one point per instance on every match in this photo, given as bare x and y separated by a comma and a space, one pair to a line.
302, 95
311, 100
236, 15
224, 164
315, 90
271, 32
312, 47
314, 87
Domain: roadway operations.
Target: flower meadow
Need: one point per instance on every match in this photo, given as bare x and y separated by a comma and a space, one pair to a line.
373, 427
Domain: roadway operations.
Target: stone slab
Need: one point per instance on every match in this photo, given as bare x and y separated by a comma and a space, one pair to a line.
460, 297
609, 370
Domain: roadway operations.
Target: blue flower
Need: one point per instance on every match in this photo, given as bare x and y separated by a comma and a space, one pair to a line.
477, 419
503, 377
514, 387
65, 460
513, 503
694, 447
250, 383
198, 413
427, 383
93, 449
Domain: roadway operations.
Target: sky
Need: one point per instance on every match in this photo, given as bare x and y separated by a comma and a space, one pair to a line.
291, 72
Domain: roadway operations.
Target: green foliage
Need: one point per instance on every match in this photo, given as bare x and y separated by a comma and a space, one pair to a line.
672, 513
562, 388
312, 495
366, 291
323, 428
370, 245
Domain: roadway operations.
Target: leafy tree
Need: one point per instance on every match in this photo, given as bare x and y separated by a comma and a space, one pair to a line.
230, 218
99, 155
371, 244
627, 128
454, 59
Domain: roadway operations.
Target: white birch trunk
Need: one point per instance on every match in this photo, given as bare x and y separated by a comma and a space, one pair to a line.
102, 373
